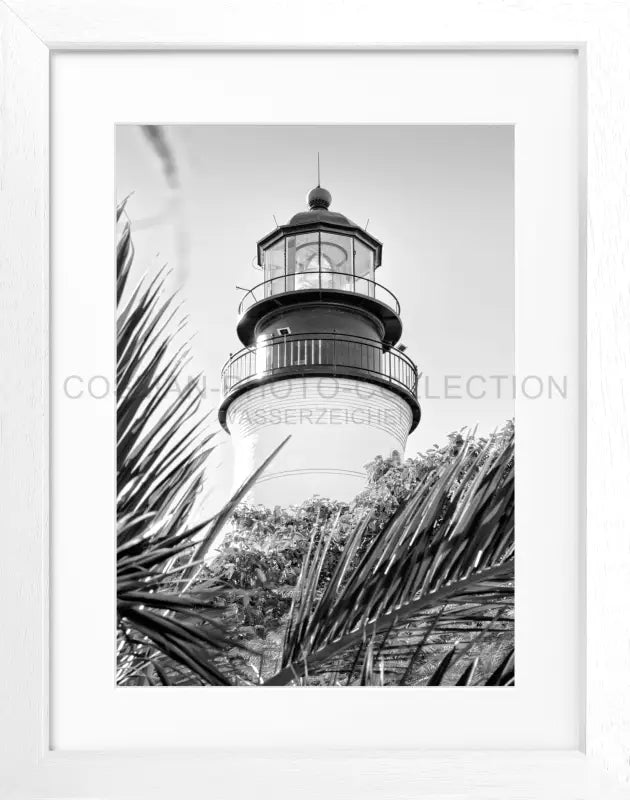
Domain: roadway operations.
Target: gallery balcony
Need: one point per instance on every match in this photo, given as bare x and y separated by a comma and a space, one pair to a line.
319, 280
321, 354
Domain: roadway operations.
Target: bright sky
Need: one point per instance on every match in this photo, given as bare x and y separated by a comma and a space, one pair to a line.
440, 198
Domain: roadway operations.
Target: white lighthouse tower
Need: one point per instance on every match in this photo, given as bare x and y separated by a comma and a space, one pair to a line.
319, 362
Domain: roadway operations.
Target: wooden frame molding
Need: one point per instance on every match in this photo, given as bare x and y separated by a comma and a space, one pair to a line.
29, 31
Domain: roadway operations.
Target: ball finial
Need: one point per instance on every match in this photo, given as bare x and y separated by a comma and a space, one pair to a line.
319, 198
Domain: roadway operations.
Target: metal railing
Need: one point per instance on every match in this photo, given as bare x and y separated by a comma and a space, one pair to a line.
304, 353
319, 279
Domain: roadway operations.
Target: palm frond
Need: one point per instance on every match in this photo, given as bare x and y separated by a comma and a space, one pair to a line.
165, 635
443, 564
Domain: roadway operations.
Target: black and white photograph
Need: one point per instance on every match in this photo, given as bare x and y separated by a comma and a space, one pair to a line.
316, 405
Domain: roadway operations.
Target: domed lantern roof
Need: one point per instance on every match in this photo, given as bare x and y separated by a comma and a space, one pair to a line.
319, 200
320, 217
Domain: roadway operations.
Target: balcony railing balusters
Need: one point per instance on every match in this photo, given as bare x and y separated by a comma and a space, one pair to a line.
337, 351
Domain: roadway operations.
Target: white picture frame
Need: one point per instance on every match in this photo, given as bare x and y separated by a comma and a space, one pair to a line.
29, 33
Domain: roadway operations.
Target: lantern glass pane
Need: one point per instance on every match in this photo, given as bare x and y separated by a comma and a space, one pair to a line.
274, 268
363, 268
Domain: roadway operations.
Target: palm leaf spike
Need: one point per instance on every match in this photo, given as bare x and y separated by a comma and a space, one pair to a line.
420, 647
504, 674
216, 524
440, 672
466, 677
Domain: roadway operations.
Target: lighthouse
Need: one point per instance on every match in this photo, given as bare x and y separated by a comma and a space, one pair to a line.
321, 362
